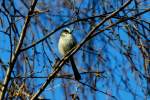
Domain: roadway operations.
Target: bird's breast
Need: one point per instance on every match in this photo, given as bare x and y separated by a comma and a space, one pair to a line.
65, 44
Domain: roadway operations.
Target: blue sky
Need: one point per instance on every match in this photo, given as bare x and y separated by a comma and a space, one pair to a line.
116, 66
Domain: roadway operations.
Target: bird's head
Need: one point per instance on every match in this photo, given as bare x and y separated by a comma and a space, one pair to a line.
66, 31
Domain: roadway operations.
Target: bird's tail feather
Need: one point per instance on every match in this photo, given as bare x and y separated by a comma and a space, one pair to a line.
75, 70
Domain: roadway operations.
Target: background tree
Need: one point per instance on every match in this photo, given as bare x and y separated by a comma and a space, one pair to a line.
112, 54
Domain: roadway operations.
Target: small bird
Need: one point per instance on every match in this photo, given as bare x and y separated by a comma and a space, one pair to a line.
65, 44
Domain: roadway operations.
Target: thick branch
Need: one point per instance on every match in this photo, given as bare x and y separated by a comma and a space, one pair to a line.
61, 63
17, 51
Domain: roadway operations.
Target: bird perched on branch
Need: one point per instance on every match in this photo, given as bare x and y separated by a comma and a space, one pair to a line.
65, 44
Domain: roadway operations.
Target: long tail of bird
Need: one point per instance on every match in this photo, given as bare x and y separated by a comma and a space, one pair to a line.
75, 70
